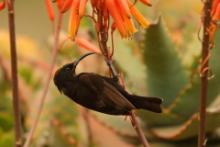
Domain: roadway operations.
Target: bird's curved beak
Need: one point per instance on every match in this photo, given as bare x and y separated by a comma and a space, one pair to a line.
75, 63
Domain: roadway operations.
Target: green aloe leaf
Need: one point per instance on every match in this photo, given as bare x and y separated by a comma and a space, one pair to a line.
188, 103
128, 60
166, 75
189, 128
183, 110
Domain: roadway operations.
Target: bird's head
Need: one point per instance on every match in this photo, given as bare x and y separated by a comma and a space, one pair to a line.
67, 72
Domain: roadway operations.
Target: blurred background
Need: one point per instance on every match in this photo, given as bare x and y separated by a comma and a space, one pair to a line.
160, 61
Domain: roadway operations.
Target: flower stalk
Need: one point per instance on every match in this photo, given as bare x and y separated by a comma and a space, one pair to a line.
204, 70
102, 34
138, 129
16, 101
45, 91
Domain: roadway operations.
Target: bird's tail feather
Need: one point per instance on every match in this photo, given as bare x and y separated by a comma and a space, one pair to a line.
148, 103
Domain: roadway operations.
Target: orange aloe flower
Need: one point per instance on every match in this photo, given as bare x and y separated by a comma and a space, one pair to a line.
215, 10
2, 5
49, 9
215, 15
74, 19
63, 6
146, 2
83, 43
66, 5
123, 13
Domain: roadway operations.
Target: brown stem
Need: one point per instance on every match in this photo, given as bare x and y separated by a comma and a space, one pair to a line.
16, 101
204, 71
138, 129
86, 117
102, 35
45, 91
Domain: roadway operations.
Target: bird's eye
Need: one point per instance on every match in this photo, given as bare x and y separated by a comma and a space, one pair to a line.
67, 67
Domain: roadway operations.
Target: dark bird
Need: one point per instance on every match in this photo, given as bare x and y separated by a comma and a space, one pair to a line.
100, 93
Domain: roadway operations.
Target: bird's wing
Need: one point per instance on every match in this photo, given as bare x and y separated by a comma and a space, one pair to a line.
108, 93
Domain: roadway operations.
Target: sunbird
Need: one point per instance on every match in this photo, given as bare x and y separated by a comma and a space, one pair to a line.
100, 93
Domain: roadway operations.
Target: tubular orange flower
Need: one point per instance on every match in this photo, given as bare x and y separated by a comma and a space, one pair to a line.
60, 4
113, 27
82, 7
83, 43
49, 9
146, 2
74, 19
216, 10
120, 10
127, 22
130, 26
66, 5
2, 5
215, 15
215, 5
116, 16
138, 16
63, 6
123, 5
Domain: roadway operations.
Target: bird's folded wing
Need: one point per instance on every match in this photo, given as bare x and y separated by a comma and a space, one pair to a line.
106, 90
112, 94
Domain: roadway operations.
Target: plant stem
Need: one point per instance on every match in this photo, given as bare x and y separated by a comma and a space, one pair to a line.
86, 117
138, 129
16, 101
204, 71
45, 91
102, 35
